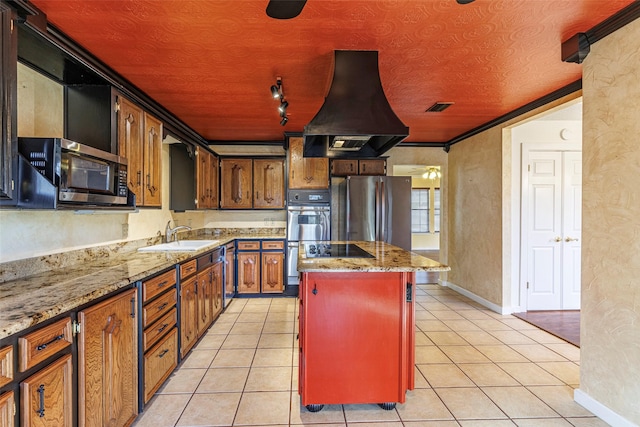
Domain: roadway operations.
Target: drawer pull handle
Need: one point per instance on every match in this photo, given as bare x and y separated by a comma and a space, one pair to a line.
163, 306
40, 410
43, 346
165, 351
161, 284
163, 327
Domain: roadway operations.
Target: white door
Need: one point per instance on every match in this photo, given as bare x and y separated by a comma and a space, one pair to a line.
552, 230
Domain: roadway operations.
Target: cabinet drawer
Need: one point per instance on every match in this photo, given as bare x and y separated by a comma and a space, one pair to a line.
44, 342
249, 245
160, 327
156, 285
188, 268
268, 244
159, 363
6, 365
158, 308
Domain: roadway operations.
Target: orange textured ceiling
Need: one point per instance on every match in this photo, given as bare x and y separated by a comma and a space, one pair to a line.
211, 62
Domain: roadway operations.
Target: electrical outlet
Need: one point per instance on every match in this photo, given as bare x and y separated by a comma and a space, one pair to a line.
125, 231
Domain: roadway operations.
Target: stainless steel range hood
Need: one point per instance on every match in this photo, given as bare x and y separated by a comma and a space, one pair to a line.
356, 119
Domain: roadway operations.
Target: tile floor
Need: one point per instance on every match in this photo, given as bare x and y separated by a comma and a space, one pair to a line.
474, 368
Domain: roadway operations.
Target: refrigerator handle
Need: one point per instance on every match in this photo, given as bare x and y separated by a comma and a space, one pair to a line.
383, 213
377, 213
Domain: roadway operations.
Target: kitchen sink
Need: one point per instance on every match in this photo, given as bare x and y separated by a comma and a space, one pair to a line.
180, 246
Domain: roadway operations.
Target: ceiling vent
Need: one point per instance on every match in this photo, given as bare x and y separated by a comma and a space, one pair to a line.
438, 107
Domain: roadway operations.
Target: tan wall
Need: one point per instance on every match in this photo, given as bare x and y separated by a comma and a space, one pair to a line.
610, 324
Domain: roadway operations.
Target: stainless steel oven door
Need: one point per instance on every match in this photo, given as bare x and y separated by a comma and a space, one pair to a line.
292, 263
308, 223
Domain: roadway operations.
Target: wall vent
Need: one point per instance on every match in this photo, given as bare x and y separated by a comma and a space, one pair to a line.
438, 107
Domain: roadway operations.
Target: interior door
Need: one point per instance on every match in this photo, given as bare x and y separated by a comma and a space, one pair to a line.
553, 218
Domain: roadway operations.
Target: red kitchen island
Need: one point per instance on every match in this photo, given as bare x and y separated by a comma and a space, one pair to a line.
357, 322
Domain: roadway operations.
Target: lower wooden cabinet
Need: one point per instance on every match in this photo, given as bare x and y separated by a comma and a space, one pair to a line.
46, 396
248, 272
108, 362
188, 315
159, 363
7, 409
272, 272
260, 266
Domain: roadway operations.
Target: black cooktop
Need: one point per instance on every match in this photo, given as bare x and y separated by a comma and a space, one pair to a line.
335, 250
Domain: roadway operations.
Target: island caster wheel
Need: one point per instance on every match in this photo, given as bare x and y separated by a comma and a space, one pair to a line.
387, 406
314, 408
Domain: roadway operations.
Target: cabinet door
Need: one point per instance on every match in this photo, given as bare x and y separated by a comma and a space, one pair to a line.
216, 272
306, 172
130, 142
268, 183
46, 396
236, 183
248, 272
272, 272
152, 165
108, 362
203, 184
8, 99
213, 181
372, 167
7, 409
230, 272
344, 167
188, 315
205, 299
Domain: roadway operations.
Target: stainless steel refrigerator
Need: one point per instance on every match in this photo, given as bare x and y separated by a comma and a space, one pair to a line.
372, 208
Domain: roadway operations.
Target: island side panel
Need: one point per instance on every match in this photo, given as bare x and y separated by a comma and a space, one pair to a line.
356, 338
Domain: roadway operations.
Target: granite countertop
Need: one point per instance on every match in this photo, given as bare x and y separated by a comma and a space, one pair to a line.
29, 300
386, 258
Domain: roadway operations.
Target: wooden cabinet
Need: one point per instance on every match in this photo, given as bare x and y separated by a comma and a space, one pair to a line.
140, 141
343, 319
204, 292
260, 266
230, 270
207, 179
268, 183
6, 365
236, 183
46, 397
345, 167
159, 331
188, 315
108, 362
306, 172
43, 343
8, 99
252, 183
7, 409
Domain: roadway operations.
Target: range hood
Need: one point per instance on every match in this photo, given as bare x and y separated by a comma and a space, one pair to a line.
356, 119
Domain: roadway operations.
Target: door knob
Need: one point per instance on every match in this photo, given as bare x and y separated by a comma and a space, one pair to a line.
571, 239
558, 239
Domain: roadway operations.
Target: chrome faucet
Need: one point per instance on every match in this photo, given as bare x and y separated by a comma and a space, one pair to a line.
171, 232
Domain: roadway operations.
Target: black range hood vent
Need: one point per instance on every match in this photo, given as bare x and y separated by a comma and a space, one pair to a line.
356, 119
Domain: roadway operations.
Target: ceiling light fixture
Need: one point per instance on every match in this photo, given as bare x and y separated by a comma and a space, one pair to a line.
283, 108
432, 172
277, 91
284, 121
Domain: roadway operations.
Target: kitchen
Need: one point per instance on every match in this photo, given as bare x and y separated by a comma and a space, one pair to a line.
462, 161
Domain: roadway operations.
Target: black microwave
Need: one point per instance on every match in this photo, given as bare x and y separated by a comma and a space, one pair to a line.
80, 174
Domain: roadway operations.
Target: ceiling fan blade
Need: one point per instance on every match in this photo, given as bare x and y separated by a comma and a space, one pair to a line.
285, 9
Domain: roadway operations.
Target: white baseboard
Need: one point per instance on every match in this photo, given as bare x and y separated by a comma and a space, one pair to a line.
491, 306
601, 411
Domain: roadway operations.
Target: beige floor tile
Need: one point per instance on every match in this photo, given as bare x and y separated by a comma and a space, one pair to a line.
328, 414
423, 405
431, 325
199, 358
543, 422
269, 378
529, 374
240, 341
501, 353
276, 341
369, 413
280, 317
469, 403
538, 353
445, 314
438, 423
422, 339
445, 375
487, 423
568, 372
560, 398
518, 402
211, 341
215, 409
587, 422
246, 328
542, 337
517, 324
233, 358
227, 317
419, 379
567, 350
430, 354
461, 325
236, 305
512, 337
220, 328
163, 411
267, 407
424, 315
475, 315
223, 380
252, 317
479, 337
446, 338
487, 374
274, 357
463, 354
492, 325
183, 381
279, 328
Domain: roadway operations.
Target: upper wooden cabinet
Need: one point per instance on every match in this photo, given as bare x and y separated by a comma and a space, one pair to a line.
306, 172
345, 167
207, 179
140, 141
252, 183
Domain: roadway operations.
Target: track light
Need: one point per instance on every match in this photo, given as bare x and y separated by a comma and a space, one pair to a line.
277, 91
283, 107
284, 121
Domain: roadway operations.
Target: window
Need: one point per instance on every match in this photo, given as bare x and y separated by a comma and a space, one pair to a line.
436, 210
420, 210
